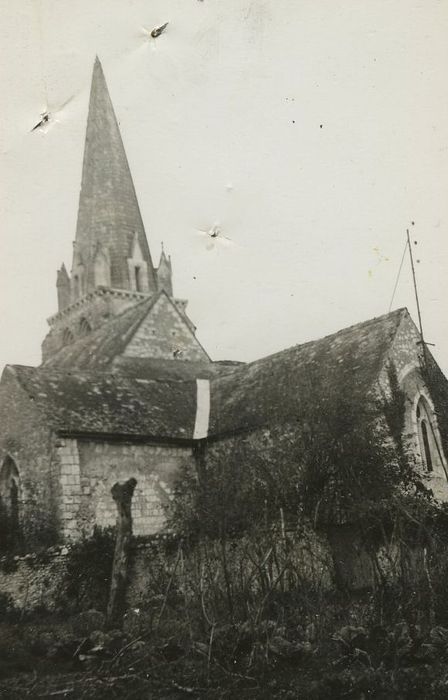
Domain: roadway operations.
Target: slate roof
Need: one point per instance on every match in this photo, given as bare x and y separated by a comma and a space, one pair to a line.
99, 349
273, 389
174, 370
111, 404
135, 400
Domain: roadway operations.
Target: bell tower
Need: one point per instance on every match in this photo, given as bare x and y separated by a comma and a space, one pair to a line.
111, 267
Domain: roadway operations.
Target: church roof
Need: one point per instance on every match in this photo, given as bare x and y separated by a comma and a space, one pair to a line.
101, 347
98, 349
134, 400
277, 388
76, 402
108, 214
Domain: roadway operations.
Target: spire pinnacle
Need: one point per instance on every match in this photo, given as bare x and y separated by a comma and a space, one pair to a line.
164, 272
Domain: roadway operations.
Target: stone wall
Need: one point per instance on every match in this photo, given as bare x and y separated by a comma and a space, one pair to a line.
96, 308
406, 355
165, 334
100, 464
70, 487
34, 581
26, 440
38, 581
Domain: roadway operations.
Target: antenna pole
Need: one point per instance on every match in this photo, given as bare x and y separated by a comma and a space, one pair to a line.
416, 298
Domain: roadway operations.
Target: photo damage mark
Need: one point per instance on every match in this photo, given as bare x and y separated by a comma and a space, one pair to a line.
157, 31
45, 118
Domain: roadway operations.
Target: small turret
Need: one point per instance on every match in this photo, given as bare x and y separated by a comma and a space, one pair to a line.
63, 287
164, 274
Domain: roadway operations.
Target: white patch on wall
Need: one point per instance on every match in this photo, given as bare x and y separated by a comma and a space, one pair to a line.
202, 409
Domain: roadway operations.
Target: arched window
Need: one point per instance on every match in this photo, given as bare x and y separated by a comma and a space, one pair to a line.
101, 268
426, 447
76, 286
428, 437
9, 502
67, 336
138, 278
84, 327
138, 268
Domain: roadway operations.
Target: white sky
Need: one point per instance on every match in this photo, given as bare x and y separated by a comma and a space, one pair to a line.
220, 117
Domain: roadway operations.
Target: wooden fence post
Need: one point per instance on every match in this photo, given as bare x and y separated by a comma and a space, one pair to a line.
122, 495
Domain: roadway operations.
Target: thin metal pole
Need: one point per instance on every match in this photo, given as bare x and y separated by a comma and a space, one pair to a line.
416, 298
424, 349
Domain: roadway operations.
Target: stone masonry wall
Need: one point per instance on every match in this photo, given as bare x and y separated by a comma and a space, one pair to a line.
406, 356
164, 334
33, 582
70, 487
102, 464
25, 439
96, 308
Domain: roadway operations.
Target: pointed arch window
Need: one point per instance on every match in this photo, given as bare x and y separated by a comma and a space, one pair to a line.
138, 268
428, 437
84, 326
67, 336
138, 278
426, 447
101, 268
9, 502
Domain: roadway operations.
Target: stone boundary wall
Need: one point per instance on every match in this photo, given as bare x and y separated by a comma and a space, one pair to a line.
33, 581
36, 581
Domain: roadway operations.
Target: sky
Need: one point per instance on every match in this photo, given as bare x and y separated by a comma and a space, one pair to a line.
310, 133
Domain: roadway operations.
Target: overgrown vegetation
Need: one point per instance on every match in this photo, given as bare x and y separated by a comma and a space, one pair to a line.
88, 569
249, 599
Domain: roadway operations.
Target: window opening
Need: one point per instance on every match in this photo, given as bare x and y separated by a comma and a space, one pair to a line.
426, 447
84, 326
76, 286
67, 336
14, 505
9, 504
138, 279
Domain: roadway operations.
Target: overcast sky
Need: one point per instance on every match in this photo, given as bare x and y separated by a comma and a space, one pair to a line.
312, 132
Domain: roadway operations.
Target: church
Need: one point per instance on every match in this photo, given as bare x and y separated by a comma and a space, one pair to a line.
125, 389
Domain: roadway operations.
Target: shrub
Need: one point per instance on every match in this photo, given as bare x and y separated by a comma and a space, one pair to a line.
88, 572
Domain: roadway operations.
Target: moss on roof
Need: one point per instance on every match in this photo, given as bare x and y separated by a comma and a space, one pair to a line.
99, 348
157, 398
92, 402
278, 388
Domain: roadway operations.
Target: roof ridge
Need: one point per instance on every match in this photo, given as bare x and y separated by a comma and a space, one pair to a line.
99, 374
307, 343
96, 332
182, 316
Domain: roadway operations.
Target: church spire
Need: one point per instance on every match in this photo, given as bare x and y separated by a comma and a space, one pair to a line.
110, 230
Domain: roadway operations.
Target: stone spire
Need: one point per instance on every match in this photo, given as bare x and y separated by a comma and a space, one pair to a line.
111, 247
